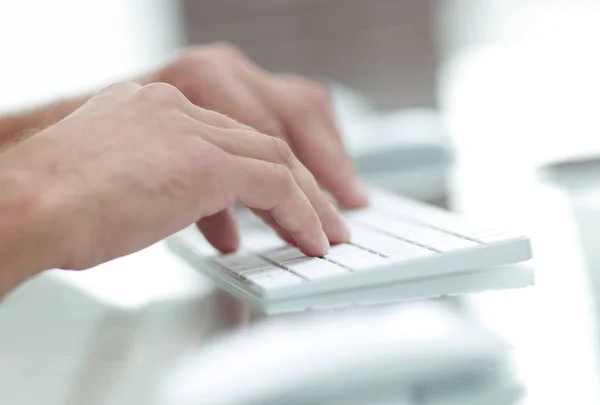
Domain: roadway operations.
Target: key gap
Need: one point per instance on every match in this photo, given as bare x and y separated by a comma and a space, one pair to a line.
338, 264
369, 250
282, 267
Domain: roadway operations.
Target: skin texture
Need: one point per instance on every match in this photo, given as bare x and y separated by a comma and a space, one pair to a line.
104, 176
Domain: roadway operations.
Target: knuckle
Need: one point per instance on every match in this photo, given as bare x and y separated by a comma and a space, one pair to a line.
283, 180
195, 59
203, 61
317, 93
121, 87
225, 50
312, 96
196, 72
160, 93
283, 153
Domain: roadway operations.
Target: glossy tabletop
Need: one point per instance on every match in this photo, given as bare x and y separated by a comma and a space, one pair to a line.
108, 335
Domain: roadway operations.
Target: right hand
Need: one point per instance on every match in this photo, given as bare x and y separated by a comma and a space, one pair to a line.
137, 163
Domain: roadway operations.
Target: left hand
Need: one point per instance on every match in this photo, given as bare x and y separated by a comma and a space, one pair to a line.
220, 78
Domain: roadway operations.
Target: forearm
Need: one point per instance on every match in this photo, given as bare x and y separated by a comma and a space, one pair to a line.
16, 127
26, 228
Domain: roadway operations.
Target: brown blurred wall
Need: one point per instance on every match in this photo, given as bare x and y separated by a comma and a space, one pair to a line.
384, 48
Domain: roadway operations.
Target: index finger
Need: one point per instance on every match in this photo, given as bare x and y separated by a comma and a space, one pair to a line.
271, 187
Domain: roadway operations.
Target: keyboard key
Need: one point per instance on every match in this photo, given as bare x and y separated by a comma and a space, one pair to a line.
345, 250
272, 278
418, 233
408, 251
283, 254
364, 261
454, 223
370, 239
390, 246
403, 229
357, 213
435, 217
430, 215
371, 219
244, 274
241, 262
360, 232
315, 268
263, 239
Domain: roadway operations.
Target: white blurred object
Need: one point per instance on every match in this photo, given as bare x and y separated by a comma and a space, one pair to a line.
65, 47
519, 81
413, 354
405, 151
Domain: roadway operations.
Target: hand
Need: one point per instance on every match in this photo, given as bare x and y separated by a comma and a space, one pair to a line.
137, 163
296, 110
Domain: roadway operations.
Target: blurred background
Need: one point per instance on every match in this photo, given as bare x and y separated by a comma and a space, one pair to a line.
488, 73
490, 107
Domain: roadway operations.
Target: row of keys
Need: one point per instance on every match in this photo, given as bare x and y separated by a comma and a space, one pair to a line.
386, 245
376, 239
452, 237
417, 234
271, 278
253, 269
432, 216
287, 266
447, 221
339, 259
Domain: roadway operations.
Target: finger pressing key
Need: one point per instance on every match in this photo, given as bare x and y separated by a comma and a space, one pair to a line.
271, 187
270, 149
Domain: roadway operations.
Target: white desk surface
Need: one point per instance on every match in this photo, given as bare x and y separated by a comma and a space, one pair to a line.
106, 335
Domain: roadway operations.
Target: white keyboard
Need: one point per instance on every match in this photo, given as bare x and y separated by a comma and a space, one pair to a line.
399, 249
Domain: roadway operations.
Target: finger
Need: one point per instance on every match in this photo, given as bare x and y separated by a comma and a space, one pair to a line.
329, 162
221, 231
214, 118
229, 95
306, 113
271, 187
267, 148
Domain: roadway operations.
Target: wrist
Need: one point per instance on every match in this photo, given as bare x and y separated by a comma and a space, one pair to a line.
30, 223
17, 127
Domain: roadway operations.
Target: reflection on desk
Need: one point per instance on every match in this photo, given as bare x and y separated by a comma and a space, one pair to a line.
420, 353
65, 336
